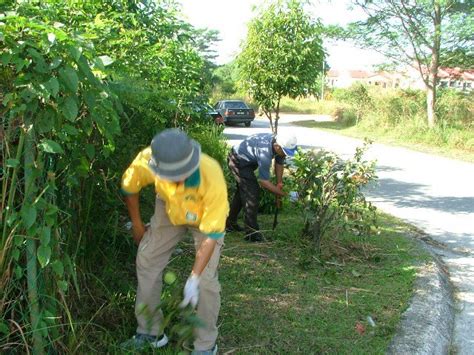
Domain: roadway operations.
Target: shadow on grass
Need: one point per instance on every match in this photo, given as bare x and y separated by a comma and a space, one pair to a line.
337, 126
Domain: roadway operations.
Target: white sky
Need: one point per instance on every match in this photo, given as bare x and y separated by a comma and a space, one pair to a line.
230, 18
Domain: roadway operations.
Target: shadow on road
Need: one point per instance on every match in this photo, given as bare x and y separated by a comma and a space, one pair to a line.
404, 194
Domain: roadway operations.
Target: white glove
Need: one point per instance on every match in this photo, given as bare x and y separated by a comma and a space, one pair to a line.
191, 291
293, 196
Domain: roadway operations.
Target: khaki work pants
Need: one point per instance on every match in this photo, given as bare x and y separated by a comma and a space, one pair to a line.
153, 255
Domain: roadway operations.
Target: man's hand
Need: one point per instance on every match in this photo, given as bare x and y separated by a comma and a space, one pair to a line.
191, 291
138, 230
274, 189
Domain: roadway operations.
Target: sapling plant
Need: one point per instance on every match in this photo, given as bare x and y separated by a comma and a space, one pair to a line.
330, 193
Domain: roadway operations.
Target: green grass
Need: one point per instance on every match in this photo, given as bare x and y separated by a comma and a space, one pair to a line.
277, 297
435, 142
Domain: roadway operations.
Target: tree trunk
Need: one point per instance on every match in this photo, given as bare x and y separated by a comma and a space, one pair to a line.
433, 69
431, 105
277, 115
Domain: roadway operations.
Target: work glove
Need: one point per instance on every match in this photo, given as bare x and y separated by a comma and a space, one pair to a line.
191, 291
293, 196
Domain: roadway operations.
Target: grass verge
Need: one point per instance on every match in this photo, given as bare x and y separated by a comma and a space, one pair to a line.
277, 297
421, 141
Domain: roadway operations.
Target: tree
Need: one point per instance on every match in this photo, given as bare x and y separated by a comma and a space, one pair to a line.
416, 32
282, 56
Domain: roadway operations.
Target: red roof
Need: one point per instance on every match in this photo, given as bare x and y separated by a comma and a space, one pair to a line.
358, 74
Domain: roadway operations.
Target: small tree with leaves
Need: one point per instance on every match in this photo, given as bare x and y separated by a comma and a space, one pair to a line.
417, 32
330, 193
282, 56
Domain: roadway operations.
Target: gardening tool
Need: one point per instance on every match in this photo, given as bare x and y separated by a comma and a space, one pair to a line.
275, 218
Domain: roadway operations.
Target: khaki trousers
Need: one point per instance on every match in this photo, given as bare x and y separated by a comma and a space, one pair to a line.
153, 255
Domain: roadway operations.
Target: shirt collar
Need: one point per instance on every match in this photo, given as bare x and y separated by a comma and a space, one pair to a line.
194, 179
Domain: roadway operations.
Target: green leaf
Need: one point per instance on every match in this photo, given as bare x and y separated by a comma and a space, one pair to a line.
18, 272
16, 254
12, 219
58, 267
62, 285
75, 52
52, 210
52, 86
44, 255
28, 215
69, 79
50, 146
90, 151
55, 63
18, 240
46, 120
71, 130
13, 163
45, 236
69, 109
4, 329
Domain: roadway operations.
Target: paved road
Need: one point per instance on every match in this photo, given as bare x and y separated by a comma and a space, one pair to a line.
433, 193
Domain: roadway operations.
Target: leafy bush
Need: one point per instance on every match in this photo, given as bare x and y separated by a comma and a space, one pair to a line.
456, 108
330, 193
212, 140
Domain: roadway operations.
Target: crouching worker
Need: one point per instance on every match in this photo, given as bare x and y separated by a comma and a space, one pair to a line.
191, 195
256, 152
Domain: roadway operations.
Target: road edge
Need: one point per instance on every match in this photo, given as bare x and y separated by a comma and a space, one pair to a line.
427, 326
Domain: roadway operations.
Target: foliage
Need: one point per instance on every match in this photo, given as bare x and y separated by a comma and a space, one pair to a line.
282, 56
358, 96
60, 120
416, 32
73, 76
212, 140
225, 81
330, 193
461, 58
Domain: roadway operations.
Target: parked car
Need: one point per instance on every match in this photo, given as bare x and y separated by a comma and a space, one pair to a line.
235, 111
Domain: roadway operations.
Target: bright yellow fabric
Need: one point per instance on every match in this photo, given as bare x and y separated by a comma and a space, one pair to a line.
204, 206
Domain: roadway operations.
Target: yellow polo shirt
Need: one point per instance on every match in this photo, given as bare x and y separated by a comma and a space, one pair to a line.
200, 201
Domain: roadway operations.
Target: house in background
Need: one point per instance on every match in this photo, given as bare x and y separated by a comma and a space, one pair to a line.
345, 78
409, 78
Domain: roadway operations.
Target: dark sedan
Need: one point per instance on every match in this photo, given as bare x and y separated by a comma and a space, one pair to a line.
235, 111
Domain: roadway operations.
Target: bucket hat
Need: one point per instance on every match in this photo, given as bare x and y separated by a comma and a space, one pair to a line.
174, 156
287, 143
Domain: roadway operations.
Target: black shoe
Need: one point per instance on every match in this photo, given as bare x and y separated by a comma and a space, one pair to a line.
233, 227
254, 237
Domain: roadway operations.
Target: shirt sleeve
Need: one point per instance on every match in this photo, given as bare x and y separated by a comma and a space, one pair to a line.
216, 205
138, 175
279, 159
264, 164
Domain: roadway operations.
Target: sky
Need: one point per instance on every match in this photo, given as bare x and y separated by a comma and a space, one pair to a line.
230, 18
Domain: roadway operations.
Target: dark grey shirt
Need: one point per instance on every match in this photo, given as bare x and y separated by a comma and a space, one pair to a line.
257, 152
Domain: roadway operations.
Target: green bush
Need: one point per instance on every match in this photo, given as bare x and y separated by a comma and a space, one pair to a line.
456, 108
330, 193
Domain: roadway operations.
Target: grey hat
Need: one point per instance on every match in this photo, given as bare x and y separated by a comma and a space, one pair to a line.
174, 156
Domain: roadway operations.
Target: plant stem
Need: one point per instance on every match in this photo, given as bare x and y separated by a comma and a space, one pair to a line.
31, 266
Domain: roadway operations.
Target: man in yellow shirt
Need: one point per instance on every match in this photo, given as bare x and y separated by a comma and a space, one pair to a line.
191, 195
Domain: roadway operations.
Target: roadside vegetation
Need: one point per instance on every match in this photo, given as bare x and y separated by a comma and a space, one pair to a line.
396, 117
